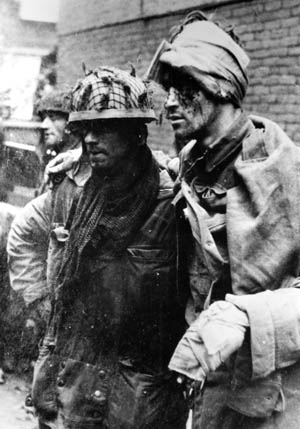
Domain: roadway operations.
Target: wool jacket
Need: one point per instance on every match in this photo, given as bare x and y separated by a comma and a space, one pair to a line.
106, 363
262, 250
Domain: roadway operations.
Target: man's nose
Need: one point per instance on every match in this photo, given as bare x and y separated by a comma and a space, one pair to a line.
46, 123
172, 99
90, 138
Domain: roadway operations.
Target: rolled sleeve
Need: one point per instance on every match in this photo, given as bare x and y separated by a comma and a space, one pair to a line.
274, 318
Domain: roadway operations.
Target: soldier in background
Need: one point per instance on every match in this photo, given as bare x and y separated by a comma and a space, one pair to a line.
54, 109
22, 327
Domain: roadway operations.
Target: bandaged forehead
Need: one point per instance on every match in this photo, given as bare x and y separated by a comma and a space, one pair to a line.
208, 54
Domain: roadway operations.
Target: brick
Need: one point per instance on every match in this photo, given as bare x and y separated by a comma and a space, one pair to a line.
274, 5
275, 33
280, 33
259, 54
277, 51
252, 99
288, 118
253, 45
272, 25
290, 98
272, 80
276, 14
296, 138
261, 90
262, 71
288, 108
294, 50
257, 26
290, 4
243, 11
287, 80
296, 10
290, 22
291, 129
288, 41
271, 99
247, 37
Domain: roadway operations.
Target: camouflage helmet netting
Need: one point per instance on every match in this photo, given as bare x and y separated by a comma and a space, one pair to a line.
55, 101
111, 92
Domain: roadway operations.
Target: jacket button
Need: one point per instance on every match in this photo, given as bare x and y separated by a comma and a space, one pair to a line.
145, 392
101, 400
29, 401
60, 382
102, 373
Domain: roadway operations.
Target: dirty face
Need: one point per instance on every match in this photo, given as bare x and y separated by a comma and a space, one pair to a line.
53, 125
107, 145
190, 110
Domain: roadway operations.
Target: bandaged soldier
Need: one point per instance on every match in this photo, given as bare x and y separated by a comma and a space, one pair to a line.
238, 190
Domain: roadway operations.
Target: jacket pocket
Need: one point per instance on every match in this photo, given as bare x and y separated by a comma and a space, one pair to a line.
150, 254
258, 398
151, 277
150, 286
144, 401
82, 391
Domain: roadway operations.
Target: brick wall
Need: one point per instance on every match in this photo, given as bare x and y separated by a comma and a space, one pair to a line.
113, 32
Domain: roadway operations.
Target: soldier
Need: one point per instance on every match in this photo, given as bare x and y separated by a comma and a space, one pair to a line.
53, 110
238, 188
116, 314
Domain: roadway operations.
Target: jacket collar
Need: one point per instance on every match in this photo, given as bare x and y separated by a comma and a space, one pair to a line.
218, 152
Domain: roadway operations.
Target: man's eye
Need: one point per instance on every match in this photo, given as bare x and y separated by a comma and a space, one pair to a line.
52, 116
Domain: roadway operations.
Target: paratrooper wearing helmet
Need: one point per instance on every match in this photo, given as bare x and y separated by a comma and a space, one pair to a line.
116, 316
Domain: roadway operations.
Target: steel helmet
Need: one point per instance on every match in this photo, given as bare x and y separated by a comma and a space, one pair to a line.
56, 101
111, 93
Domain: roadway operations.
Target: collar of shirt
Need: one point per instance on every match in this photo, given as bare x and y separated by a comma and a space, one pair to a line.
219, 151
80, 173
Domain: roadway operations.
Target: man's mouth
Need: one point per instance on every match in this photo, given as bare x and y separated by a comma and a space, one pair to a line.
97, 152
174, 116
98, 156
175, 119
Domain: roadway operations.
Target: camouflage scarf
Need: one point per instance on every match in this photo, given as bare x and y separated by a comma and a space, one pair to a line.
107, 216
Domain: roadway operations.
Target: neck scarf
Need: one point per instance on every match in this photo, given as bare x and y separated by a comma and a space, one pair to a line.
108, 216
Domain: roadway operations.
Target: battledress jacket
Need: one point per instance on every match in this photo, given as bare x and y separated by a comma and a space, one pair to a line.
260, 255
106, 364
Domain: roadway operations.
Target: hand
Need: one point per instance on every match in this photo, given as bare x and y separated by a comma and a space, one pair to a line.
173, 168
161, 158
190, 388
210, 340
61, 163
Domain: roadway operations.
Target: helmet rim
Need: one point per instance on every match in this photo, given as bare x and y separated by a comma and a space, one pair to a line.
106, 114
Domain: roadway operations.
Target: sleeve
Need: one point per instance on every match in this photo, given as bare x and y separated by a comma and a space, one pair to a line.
274, 319
27, 249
